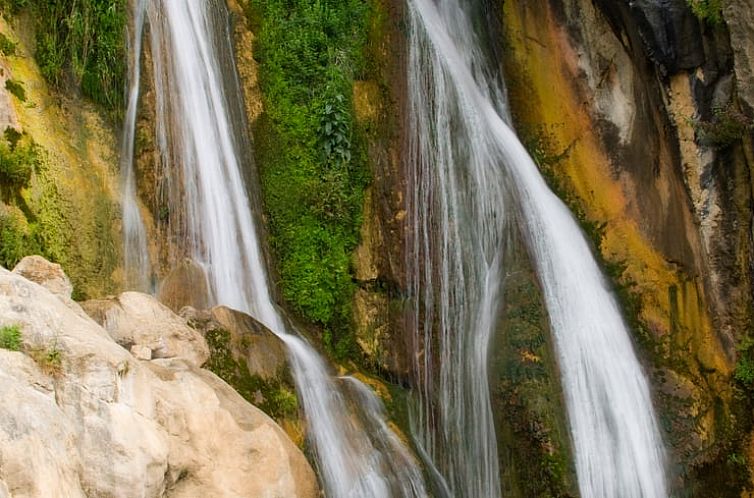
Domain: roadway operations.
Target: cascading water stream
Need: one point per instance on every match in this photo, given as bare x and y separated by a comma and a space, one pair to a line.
201, 137
136, 255
467, 167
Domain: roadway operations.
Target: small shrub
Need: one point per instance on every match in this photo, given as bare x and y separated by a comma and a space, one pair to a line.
726, 127
709, 11
10, 337
16, 89
49, 360
16, 238
19, 158
7, 47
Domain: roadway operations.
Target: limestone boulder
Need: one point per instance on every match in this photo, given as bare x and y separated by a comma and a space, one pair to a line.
138, 322
82, 417
48, 275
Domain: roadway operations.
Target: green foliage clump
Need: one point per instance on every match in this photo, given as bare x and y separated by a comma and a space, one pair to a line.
16, 237
726, 127
744, 372
7, 47
81, 42
709, 11
16, 89
10, 337
19, 158
312, 162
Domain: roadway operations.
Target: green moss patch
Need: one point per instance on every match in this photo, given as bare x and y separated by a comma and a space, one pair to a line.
528, 403
276, 396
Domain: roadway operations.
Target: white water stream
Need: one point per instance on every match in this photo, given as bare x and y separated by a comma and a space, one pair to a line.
467, 167
201, 139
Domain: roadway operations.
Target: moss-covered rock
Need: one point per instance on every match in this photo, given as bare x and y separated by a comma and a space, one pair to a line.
530, 417
66, 206
249, 357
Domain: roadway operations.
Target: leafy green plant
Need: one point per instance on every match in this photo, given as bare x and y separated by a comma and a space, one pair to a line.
710, 11
7, 47
16, 89
335, 131
81, 42
19, 158
727, 126
10, 337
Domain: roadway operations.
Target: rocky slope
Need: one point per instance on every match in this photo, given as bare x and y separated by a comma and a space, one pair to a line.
83, 416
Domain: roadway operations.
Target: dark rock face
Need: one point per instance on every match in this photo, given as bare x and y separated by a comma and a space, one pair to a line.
670, 32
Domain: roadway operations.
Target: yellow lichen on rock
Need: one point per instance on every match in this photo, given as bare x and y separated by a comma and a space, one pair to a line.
73, 196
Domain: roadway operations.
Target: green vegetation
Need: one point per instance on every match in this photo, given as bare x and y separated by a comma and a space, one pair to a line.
10, 337
7, 47
709, 11
311, 158
80, 42
16, 89
744, 373
50, 360
19, 158
726, 127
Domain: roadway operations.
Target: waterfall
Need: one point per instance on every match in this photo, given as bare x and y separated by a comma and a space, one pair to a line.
201, 136
136, 255
468, 176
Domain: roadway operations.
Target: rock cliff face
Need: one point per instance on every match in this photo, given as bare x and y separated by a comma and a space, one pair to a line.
81, 416
635, 112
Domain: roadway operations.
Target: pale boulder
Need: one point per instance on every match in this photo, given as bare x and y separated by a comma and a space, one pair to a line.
135, 319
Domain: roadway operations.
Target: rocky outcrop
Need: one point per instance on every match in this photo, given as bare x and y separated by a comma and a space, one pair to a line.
739, 18
81, 416
379, 260
48, 275
264, 353
141, 324
249, 357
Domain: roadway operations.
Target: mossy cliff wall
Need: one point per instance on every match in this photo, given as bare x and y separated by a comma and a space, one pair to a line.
322, 84
612, 101
66, 206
